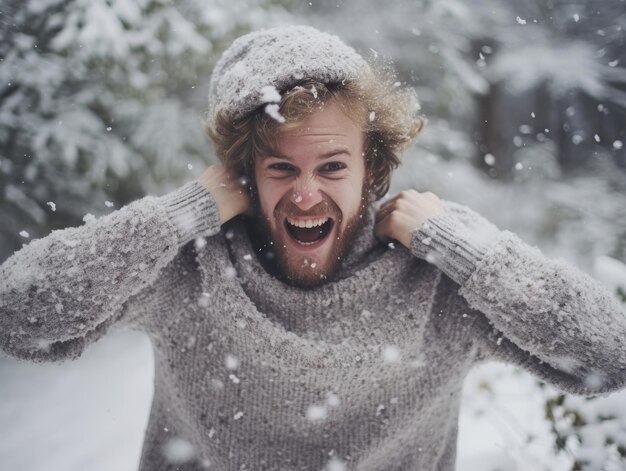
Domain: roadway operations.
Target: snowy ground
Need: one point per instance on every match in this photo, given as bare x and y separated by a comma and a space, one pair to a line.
502, 425
90, 414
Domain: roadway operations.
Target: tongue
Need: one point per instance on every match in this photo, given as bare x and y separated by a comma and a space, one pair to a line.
311, 234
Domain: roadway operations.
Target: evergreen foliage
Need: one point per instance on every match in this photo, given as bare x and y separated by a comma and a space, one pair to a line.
101, 101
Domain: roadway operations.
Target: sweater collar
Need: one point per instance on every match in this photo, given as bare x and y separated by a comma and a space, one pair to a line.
367, 268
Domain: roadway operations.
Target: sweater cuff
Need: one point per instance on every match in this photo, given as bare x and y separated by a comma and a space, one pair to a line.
193, 211
454, 247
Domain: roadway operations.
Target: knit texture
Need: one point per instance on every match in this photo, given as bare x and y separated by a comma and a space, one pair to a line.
366, 369
260, 64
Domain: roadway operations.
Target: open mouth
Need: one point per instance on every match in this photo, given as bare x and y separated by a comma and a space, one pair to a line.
308, 231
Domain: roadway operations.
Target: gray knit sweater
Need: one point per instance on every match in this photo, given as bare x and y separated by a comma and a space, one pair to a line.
364, 372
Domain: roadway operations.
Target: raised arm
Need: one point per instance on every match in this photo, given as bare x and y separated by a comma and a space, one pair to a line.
61, 292
527, 309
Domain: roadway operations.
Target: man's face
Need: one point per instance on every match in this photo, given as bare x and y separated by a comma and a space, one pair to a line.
311, 194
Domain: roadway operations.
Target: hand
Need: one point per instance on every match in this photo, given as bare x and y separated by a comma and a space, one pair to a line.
398, 217
229, 190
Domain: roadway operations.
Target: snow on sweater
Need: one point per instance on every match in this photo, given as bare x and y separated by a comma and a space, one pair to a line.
364, 372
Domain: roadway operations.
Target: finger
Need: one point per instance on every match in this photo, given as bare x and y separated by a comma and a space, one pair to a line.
382, 230
389, 202
398, 226
431, 197
403, 198
383, 212
385, 228
380, 214
401, 204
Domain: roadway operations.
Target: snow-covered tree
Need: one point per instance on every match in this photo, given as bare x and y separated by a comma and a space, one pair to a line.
101, 100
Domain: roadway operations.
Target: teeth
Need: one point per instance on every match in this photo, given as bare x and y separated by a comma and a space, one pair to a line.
308, 223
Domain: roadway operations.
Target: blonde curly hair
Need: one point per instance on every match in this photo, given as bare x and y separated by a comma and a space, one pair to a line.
386, 112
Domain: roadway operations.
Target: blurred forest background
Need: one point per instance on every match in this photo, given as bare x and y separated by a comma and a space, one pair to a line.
101, 102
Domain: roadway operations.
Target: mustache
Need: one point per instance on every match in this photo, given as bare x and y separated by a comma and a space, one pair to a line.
323, 208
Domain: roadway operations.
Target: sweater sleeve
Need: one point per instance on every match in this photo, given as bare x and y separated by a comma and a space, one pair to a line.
542, 314
62, 292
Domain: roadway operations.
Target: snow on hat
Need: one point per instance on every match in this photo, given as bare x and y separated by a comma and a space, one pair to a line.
260, 64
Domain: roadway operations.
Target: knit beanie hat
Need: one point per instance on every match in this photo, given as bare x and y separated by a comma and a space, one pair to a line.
259, 65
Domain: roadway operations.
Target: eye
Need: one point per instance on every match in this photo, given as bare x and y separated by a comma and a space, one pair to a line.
333, 167
281, 167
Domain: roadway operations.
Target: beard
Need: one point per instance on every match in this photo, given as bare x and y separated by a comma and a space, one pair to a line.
300, 268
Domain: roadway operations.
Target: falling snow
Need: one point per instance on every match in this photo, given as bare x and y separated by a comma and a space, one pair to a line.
230, 273
178, 450
335, 464
332, 399
231, 362
316, 413
391, 354
204, 300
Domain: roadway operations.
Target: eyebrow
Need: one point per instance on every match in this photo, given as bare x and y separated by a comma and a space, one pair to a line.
324, 156
335, 152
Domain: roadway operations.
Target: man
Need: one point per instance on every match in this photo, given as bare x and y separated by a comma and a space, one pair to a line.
293, 326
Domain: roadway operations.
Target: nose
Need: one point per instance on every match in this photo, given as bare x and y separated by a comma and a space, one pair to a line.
305, 194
